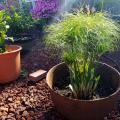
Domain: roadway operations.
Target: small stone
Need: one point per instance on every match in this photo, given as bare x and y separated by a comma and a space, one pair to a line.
31, 113
5, 113
25, 113
3, 117
11, 110
10, 100
23, 118
29, 118
18, 117
27, 103
3, 109
17, 102
10, 115
0, 113
22, 108
34, 90
31, 100
11, 118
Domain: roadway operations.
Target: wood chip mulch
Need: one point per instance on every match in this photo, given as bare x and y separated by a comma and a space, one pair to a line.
21, 100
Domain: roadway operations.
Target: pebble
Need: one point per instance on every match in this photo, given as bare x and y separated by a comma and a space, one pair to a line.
11, 110
25, 113
10, 99
3, 109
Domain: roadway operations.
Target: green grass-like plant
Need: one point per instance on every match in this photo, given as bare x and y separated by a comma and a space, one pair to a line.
83, 38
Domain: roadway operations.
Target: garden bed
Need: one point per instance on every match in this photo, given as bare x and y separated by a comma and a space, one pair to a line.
23, 101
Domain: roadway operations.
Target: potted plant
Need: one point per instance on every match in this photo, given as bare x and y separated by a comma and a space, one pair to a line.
9, 55
82, 88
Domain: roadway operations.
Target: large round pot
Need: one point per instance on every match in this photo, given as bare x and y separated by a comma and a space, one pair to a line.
10, 65
74, 109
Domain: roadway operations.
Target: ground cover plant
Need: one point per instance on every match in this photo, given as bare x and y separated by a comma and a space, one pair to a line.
84, 37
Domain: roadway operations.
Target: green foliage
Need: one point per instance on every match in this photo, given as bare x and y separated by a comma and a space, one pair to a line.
40, 23
23, 73
19, 20
3, 29
83, 39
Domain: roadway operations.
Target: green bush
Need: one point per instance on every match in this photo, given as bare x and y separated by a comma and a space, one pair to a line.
40, 23
3, 29
83, 38
19, 20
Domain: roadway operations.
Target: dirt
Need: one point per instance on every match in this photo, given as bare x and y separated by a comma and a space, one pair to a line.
20, 100
103, 90
64, 92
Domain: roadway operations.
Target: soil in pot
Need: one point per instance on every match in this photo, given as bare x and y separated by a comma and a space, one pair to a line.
104, 88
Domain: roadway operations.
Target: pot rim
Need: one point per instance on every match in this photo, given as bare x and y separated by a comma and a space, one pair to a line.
18, 48
91, 100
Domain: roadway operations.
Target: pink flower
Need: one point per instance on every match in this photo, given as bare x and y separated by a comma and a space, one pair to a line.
45, 8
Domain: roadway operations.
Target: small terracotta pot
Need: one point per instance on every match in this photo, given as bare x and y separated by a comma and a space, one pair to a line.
10, 65
74, 109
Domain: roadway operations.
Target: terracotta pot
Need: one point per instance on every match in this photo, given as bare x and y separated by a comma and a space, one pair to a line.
10, 66
74, 109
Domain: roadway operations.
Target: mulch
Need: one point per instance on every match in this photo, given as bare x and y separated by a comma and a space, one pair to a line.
20, 100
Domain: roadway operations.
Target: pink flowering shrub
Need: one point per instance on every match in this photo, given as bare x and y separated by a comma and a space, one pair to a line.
45, 8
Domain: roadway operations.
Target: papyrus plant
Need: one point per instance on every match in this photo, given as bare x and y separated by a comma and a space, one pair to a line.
84, 37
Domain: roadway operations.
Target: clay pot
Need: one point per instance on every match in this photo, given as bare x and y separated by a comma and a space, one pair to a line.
74, 109
10, 66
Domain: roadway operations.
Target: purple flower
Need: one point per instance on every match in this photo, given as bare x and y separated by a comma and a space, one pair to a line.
45, 8
1, 7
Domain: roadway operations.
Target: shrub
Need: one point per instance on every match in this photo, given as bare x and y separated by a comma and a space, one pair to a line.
3, 29
40, 23
19, 20
83, 37
45, 8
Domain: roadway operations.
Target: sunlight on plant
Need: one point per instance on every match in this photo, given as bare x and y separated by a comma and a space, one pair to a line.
83, 39
3, 29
